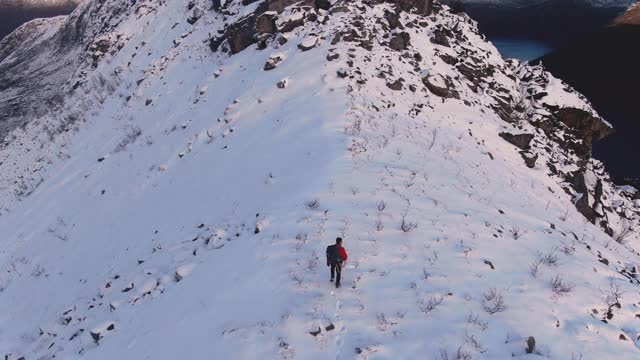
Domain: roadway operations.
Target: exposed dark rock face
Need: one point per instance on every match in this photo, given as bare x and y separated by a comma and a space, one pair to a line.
603, 66
266, 23
523, 141
584, 126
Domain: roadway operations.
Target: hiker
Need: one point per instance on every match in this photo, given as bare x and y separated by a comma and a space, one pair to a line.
336, 255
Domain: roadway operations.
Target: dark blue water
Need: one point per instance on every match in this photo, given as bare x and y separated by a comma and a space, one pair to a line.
521, 49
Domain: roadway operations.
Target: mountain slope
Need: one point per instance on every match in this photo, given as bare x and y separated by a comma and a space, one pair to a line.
185, 214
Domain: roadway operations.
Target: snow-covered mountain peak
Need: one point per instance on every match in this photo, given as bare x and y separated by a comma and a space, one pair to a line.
177, 200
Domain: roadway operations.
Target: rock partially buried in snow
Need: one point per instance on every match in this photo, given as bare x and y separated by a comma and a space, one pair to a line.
439, 86
184, 271
98, 332
529, 160
308, 43
282, 84
273, 62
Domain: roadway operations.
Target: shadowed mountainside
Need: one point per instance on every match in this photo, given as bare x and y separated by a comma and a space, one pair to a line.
604, 67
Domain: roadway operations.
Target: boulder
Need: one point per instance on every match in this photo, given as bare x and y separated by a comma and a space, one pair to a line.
242, 34
308, 43
522, 141
393, 19
396, 85
529, 160
273, 62
333, 56
400, 41
266, 23
194, 16
440, 86
441, 37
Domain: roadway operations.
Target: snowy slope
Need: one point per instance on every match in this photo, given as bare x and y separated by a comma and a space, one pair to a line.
184, 212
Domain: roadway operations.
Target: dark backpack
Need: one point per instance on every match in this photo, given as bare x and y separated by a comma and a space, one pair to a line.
333, 254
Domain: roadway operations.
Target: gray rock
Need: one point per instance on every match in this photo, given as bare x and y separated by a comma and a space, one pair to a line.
272, 63
529, 159
396, 85
523, 141
400, 41
266, 23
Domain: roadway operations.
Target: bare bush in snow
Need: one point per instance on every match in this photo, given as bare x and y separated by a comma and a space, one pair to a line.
379, 225
493, 301
516, 232
560, 286
568, 249
406, 225
425, 274
459, 354
613, 294
472, 340
475, 320
430, 305
381, 205
534, 268
313, 204
550, 258
131, 136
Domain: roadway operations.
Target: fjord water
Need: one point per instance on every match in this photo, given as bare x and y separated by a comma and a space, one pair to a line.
521, 49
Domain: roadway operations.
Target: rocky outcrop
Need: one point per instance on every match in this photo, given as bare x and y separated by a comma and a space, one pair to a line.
440, 86
585, 126
522, 141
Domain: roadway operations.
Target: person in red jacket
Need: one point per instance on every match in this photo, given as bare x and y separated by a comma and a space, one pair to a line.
336, 256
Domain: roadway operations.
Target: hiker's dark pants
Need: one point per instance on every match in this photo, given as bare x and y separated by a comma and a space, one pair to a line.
336, 268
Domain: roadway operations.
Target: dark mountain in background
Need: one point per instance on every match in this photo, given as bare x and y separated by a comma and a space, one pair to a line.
605, 66
556, 22
15, 13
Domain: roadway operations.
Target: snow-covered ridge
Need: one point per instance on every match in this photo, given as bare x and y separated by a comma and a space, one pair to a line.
181, 202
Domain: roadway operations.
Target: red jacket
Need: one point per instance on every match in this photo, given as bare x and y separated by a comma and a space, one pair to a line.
343, 253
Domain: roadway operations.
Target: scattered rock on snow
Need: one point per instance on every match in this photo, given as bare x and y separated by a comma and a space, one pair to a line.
273, 62
529, 160
522, 141
439, 86
396, 85
282, 84
316, 332
308, 43
333, 56
400, 41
